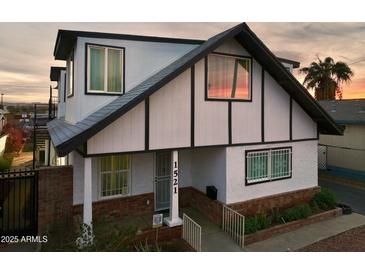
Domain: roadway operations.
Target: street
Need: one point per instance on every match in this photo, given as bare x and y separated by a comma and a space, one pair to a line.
350, 195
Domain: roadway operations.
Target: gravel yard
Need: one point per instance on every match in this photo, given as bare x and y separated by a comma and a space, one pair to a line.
351, 240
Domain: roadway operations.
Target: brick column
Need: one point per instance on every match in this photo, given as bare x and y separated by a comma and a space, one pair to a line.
55, 197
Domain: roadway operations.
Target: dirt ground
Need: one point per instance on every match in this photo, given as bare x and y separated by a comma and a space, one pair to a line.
351, 240
23, 160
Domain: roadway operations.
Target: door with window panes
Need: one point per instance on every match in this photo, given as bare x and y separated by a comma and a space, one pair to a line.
162, 180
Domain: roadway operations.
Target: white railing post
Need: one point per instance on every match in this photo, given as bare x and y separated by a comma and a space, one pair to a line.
233, 223
192, 233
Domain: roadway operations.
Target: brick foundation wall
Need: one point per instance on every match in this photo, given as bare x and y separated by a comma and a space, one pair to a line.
116, 208
192, 197
54, 197
281, 201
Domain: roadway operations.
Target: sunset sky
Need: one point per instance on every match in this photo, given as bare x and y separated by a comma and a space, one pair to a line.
27, 48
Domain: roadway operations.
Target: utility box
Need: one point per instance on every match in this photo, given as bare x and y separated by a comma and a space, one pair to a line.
212, 192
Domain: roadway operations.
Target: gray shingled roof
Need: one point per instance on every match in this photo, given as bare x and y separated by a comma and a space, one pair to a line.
67, 137
345, 112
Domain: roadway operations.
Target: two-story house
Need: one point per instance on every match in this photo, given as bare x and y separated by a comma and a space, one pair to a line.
146, 118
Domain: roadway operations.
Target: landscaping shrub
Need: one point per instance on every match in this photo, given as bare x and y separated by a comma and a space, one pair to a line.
324, 199
302, 211
258, 222
5, 163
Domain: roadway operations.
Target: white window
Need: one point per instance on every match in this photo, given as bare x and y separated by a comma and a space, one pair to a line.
105, 69
229, 77
70, 76
114, 175
268, 165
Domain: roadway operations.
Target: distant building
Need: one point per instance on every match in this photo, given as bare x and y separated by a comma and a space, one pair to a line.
346, 152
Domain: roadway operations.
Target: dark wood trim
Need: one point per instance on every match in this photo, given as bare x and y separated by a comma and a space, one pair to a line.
103, 93
230, 122
209, 146
262, 104
232, 55
227, 100
192, 106
269, 180
291, 119
147, 123
65, 88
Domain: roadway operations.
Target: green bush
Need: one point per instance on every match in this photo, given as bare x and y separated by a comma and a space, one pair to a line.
258, 222
5, 163
296, 213
324, 199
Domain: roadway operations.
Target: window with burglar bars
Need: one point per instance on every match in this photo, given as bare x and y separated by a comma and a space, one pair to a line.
267, 165
114, 174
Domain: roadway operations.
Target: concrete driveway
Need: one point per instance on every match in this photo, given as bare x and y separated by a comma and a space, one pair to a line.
347, 194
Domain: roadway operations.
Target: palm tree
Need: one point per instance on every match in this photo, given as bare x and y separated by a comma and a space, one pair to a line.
326, 78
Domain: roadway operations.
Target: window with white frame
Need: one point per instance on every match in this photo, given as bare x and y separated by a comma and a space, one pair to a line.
114, 175
229, 77
105, 69
70, 75
267, 165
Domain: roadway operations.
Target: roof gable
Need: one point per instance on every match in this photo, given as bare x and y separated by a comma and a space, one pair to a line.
67, 137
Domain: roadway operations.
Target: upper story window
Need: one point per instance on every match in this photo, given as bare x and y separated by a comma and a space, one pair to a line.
229, 77
105, 69
70, 76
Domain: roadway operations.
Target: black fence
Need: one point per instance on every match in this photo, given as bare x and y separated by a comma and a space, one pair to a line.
19, 202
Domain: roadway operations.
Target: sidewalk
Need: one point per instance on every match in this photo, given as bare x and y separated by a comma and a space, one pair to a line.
213, 238
309, 234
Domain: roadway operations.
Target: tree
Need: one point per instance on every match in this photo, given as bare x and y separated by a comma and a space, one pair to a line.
15, 138
326, 78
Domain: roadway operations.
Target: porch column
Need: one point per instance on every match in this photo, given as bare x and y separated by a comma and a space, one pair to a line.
87, 215
174, 219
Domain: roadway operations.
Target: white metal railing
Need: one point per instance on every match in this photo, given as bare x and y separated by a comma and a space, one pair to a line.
192, 233
233, 223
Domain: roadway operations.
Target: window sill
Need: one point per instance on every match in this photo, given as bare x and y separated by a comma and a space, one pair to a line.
228, 100
104, 93
118, 196
267, 180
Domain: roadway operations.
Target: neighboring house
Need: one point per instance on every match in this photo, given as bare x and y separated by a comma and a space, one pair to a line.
347, 151
58, 106
147, 117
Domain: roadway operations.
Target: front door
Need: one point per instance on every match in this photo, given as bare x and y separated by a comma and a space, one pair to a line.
162, 180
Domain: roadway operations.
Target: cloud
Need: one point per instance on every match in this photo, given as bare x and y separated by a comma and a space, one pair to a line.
26, 49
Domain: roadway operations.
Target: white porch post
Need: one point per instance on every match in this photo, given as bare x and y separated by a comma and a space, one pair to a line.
86, 238
88, 215
174, 219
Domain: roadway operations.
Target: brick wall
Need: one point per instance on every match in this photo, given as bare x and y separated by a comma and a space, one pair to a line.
114, 209
281, 201
191, 197
54, 197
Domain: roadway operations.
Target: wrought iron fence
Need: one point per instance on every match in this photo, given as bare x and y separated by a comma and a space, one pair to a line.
233, 223
192, 233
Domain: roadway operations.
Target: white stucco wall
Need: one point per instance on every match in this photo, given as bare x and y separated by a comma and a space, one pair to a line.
142, 59
304, 172
231, 46
209, 168
277, 111
303, 125
124, 134
169, 115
